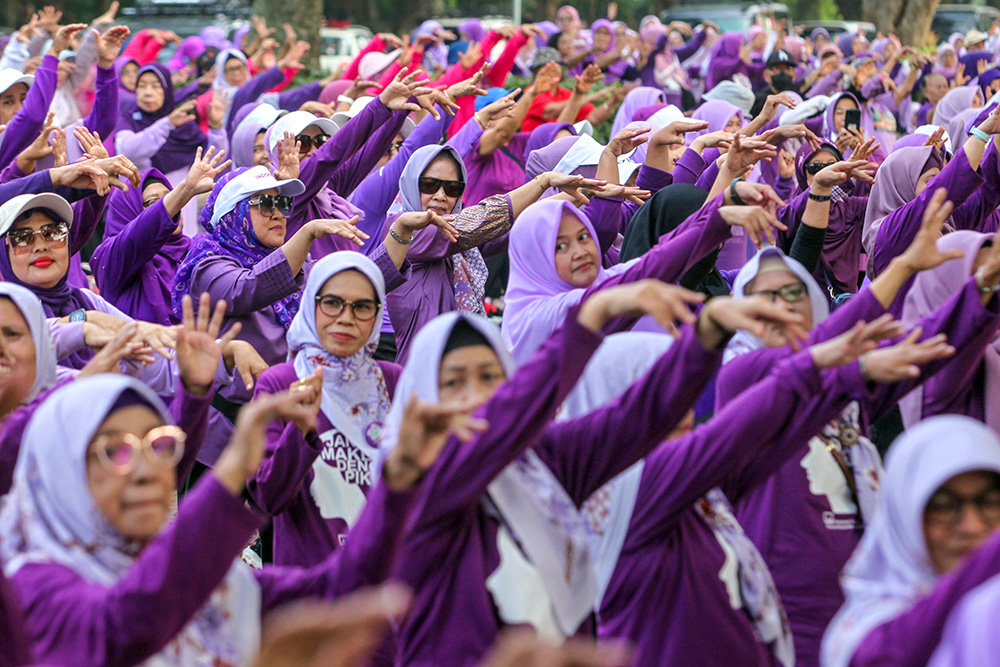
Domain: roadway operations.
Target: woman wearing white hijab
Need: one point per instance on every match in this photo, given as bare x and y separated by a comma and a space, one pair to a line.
315, 484
933, 540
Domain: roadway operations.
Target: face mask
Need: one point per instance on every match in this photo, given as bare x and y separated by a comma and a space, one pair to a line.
782, 82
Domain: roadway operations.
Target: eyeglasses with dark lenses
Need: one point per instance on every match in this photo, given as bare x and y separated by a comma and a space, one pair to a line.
816, 167
22, 238
946, 508
394, 147
307, 142
789, 293
430, 186
267, 204
119, 453
333, 306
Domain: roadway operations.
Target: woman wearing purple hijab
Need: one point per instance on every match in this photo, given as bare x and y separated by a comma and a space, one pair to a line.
973, 387
730, 57
721, 116
636, 99
144, 243
187, 53
154, 132
907, 180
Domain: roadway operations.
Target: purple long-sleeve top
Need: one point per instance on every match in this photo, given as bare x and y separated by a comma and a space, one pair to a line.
898, 229
172, 579
249, 294
911, 637
496, 173
28, 122
804, 542
829, 84
840, 261
15, 646
667, 594
120, 260
280, 489
453, 541
689, 167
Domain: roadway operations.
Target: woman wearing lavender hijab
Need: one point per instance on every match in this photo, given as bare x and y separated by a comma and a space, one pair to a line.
88, 523
555, 259
498, 539
315, 483
933, 540
827, 489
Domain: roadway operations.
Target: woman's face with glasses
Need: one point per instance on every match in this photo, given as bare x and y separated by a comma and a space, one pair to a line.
960, 516
310, 139
345, 313
826, 158
38, 250
443, 168
136, 498
269, 224
397, 143
787, 289
236, 72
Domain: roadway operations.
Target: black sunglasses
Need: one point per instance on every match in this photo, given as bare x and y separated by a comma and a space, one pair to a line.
267, 204
430, 186
816, 167
307, 142
333, 306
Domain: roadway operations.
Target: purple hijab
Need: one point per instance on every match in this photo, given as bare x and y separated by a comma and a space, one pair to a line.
544, 135
971, 61
213, 36
473, 30
931, 290
725, 59
333, 90
546, 158
896, 185
157, 277
235, 238
640, 97
437, 53
717, 113
187, 53
180, 147
846, 44
805, 154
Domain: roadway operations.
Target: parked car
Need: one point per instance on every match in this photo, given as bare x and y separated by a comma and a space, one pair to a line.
837, 28
340, 46
962, 18
729, 17
186, 17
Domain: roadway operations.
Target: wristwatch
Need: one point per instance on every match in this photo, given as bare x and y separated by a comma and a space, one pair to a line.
735, 198
79, 315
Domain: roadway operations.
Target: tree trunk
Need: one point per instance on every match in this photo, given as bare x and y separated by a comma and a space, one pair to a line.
306, 16
910, 20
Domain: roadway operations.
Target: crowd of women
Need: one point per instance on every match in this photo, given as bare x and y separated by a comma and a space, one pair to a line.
257, 408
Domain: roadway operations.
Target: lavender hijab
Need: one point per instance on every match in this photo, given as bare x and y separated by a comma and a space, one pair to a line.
635, 100
891, 569
157, 276
896, 185
537, 299
41, 336
717, 113
179, 149
931, 289
544, 135
725, 59
50, 516
355, 395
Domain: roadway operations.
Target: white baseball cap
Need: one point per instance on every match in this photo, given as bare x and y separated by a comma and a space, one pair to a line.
10, 76
263, 114
374, 63
341, 117
295, 122
252, 181
584, 127
666, 116
14, 207
626, 167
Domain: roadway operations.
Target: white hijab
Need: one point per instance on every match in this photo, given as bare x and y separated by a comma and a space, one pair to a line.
533, 505
891, 569
49, 516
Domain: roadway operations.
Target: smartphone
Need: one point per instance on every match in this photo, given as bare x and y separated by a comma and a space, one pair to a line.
852, 119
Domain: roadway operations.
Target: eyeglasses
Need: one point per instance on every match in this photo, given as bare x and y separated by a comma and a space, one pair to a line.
233, 69
333, 306
268, 204
308, 141
394, 148
119, 453
946, 508
22, 238
816, 167
789, 293
430, 186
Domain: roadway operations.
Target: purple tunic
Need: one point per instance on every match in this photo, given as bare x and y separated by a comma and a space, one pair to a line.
452, 549
674, 593
28, 122
280, 489
497, 173
804, 542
